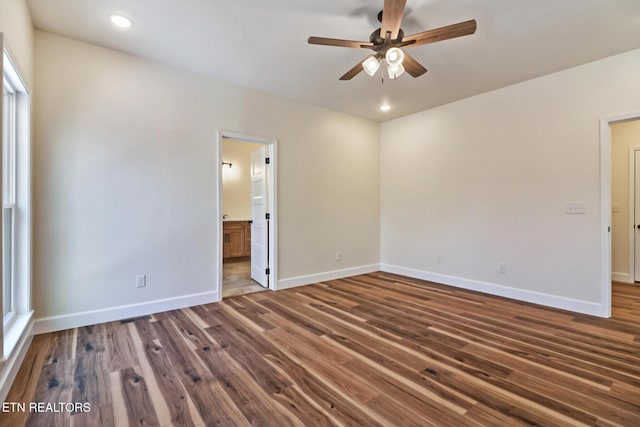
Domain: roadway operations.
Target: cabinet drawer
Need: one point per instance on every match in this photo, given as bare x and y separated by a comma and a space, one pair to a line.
233, 225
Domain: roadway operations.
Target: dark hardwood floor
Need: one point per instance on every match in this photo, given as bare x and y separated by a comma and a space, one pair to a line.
372, 350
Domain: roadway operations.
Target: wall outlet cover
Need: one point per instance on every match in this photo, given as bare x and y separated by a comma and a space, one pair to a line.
141, 280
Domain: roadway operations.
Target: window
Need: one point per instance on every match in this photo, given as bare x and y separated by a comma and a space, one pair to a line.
15, 231
8, 195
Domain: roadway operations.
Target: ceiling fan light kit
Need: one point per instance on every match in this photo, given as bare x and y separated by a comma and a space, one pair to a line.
394, 56
371, 65
395, 71
389, 38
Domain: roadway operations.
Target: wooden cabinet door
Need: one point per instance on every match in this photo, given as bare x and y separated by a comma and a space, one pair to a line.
234, 241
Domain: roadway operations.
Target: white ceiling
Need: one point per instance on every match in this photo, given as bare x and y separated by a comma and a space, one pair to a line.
263, 44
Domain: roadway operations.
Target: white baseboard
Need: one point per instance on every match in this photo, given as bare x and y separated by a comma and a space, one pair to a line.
327, 275
564, 303
10, 367
75, 320
622, 277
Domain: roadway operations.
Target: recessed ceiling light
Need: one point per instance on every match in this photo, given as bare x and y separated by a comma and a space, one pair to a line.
385, 107
120, 21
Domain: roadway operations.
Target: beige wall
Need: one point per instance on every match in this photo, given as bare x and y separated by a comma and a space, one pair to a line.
236, 181
486, 180
126, 179
623, 136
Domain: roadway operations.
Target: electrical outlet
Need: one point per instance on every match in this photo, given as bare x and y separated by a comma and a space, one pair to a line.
141, 280
502, 268
438, 259
338, 256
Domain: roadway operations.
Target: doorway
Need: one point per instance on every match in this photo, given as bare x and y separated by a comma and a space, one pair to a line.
617, 259
246, 213
625, 201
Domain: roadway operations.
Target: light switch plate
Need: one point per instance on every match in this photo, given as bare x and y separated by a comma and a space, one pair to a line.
575, 208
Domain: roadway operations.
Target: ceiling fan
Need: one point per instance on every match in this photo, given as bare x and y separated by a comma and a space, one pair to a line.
387, 41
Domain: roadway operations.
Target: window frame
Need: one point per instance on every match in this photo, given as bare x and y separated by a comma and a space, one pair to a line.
8, 196
15, 327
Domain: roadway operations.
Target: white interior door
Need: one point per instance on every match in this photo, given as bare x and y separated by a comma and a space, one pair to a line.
636, 221
259, 223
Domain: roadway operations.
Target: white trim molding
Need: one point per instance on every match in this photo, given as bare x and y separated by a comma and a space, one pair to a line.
622, 277
9, 368
85, 318
555, 301
309, 279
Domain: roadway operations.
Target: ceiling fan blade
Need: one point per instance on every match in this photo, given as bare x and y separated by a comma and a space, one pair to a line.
324, 41
413, 67
353, 72
443, 33
392, 17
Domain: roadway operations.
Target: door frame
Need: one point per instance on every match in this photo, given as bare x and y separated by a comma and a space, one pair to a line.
271, 143
605, 205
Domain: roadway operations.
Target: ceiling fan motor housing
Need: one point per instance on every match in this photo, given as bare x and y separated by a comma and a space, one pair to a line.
380, 44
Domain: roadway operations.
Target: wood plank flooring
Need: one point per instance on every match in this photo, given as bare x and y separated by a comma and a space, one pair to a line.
372, 350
